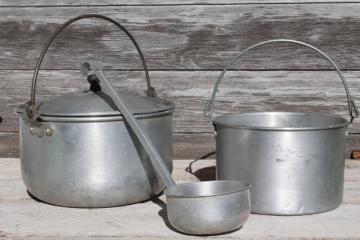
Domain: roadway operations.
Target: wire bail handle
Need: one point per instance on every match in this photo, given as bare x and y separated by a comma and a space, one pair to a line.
31, 106
353, 110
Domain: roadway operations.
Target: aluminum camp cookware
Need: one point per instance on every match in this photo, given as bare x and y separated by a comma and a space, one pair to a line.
77, 151
193, 208
294, 161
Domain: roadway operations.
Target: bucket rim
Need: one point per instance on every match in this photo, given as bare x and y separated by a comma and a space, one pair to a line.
223, 121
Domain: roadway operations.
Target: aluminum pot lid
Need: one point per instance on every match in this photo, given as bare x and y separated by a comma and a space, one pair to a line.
98, 104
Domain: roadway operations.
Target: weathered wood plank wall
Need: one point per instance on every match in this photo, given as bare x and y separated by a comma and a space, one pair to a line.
186, 43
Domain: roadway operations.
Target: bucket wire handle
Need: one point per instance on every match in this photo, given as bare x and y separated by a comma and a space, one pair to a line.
353, 110
30, 105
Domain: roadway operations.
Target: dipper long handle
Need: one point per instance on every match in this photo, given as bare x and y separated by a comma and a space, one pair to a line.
89, 70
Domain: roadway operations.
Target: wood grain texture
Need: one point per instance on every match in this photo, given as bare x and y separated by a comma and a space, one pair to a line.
9, 144
184, 36
73, 3
194, 37
143, 221
24, 218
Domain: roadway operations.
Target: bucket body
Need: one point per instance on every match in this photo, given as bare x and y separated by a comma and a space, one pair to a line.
294, 161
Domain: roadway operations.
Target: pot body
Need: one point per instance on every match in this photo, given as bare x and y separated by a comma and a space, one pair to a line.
292, 172
93, 163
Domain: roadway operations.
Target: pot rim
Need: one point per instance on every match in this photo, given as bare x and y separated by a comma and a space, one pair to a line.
97, 104
173, 191
105, 118
95, 118
223, 121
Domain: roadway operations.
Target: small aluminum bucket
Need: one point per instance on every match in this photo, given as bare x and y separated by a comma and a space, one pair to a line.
294, 161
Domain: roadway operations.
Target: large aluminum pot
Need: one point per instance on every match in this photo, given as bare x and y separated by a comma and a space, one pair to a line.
294, 161
77, 151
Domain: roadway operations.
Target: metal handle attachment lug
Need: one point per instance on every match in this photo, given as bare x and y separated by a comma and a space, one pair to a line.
41, 130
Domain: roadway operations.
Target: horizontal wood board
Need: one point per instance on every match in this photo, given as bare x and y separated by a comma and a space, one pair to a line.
192, 37
73, 3
24, 218
240, 91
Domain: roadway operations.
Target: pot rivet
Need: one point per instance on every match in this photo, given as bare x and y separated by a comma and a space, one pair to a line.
215, 133
32, 131
48, 132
